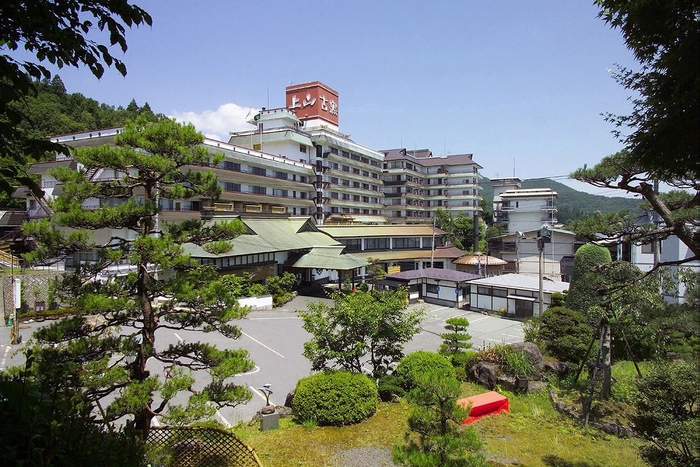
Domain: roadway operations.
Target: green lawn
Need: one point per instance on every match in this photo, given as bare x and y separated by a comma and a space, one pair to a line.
533, 434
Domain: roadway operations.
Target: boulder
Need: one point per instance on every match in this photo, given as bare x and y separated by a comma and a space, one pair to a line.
485, 374
289, 400
532, 352
560, 369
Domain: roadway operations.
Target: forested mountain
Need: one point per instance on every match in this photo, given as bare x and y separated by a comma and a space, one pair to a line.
53, 111
571, 204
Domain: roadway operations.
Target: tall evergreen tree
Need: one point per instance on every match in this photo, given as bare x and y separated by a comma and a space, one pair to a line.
107, 349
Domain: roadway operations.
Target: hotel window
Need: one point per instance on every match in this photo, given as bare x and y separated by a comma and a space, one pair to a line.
352, 244
281, 175
280, 193
259, 190
228, 165
649, 248
302, 148
258, 171
376, 244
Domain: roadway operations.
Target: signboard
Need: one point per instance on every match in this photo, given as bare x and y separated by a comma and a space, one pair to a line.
393, 269
313, 100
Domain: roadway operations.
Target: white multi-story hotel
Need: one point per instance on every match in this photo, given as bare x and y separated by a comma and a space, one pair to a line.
296, 162
417, 184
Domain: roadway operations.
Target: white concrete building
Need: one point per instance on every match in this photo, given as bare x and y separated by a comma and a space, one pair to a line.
527, 209
522, 254
516, 294
346, 181
417, 184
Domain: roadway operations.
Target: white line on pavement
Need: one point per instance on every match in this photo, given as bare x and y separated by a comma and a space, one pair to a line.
477, 320
258, 342
178, 337
280, 317
4, 357
220, 417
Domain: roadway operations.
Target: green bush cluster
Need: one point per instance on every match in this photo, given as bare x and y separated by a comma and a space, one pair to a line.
421, 362
563, 334
335, 398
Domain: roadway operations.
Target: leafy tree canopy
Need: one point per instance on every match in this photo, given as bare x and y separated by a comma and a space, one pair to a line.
360, 328
68, 33
665, 38
460, 230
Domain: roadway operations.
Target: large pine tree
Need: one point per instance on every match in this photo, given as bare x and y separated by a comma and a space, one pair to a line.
108, 347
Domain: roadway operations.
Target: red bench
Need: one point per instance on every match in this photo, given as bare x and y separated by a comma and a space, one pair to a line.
483, 405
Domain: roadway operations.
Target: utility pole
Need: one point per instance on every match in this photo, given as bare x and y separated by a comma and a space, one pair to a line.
544, 236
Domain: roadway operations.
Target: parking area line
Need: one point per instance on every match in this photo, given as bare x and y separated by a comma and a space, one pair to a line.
260, 343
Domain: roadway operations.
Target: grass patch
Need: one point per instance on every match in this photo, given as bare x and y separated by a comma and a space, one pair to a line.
313, 446
533, 434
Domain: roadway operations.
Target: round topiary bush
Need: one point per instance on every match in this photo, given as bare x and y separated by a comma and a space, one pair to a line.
335, 398
421, 362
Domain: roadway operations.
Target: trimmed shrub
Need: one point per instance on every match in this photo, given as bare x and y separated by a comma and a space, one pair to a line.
421, 362
565, 334
581, 296
389, 388
335, 398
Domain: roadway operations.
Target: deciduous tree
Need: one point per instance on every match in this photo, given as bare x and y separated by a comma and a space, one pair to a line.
360, 328
661, 132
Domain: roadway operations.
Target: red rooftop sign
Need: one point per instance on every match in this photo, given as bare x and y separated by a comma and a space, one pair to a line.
313, 100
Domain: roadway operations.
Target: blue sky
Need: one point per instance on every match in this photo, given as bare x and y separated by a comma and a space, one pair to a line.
521, 85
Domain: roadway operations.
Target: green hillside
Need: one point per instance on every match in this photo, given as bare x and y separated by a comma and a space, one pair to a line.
572, 204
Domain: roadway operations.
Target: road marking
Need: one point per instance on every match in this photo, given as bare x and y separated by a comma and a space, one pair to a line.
511, 335
477, 320
220, 417
4, 357
255, 369
280, 317
178, 337
258, 342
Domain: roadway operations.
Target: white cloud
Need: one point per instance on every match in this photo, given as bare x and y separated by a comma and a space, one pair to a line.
217, 124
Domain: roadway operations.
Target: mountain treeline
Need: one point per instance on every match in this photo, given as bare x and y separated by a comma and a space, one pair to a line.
571, 204
51, 111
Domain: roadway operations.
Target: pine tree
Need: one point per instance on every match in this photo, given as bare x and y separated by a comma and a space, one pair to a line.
456, 341
107, 348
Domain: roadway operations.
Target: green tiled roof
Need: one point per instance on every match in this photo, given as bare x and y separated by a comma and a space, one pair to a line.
329, 257
269, 235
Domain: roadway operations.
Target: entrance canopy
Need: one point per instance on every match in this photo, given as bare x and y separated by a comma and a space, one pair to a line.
329, 257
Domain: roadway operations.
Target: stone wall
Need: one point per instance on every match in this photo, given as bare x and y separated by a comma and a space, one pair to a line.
35, 292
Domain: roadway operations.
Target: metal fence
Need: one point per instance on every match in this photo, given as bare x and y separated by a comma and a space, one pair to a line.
198, 447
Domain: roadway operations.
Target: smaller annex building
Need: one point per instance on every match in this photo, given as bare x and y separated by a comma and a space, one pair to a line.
517, 294
440, 286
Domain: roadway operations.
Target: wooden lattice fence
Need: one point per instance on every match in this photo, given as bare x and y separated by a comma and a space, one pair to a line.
198, 447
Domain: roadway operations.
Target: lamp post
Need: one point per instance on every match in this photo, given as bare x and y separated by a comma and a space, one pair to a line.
543, 236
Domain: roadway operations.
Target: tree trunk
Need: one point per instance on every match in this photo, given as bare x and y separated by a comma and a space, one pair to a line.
606, 348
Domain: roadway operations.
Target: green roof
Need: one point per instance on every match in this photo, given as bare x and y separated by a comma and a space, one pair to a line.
270, 235
329, 257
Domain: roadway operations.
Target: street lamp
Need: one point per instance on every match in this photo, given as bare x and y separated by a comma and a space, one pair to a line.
543, 236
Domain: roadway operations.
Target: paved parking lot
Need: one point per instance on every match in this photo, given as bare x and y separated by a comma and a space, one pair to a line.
275, 342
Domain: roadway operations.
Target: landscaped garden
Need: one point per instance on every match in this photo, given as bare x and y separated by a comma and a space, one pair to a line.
533, 434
